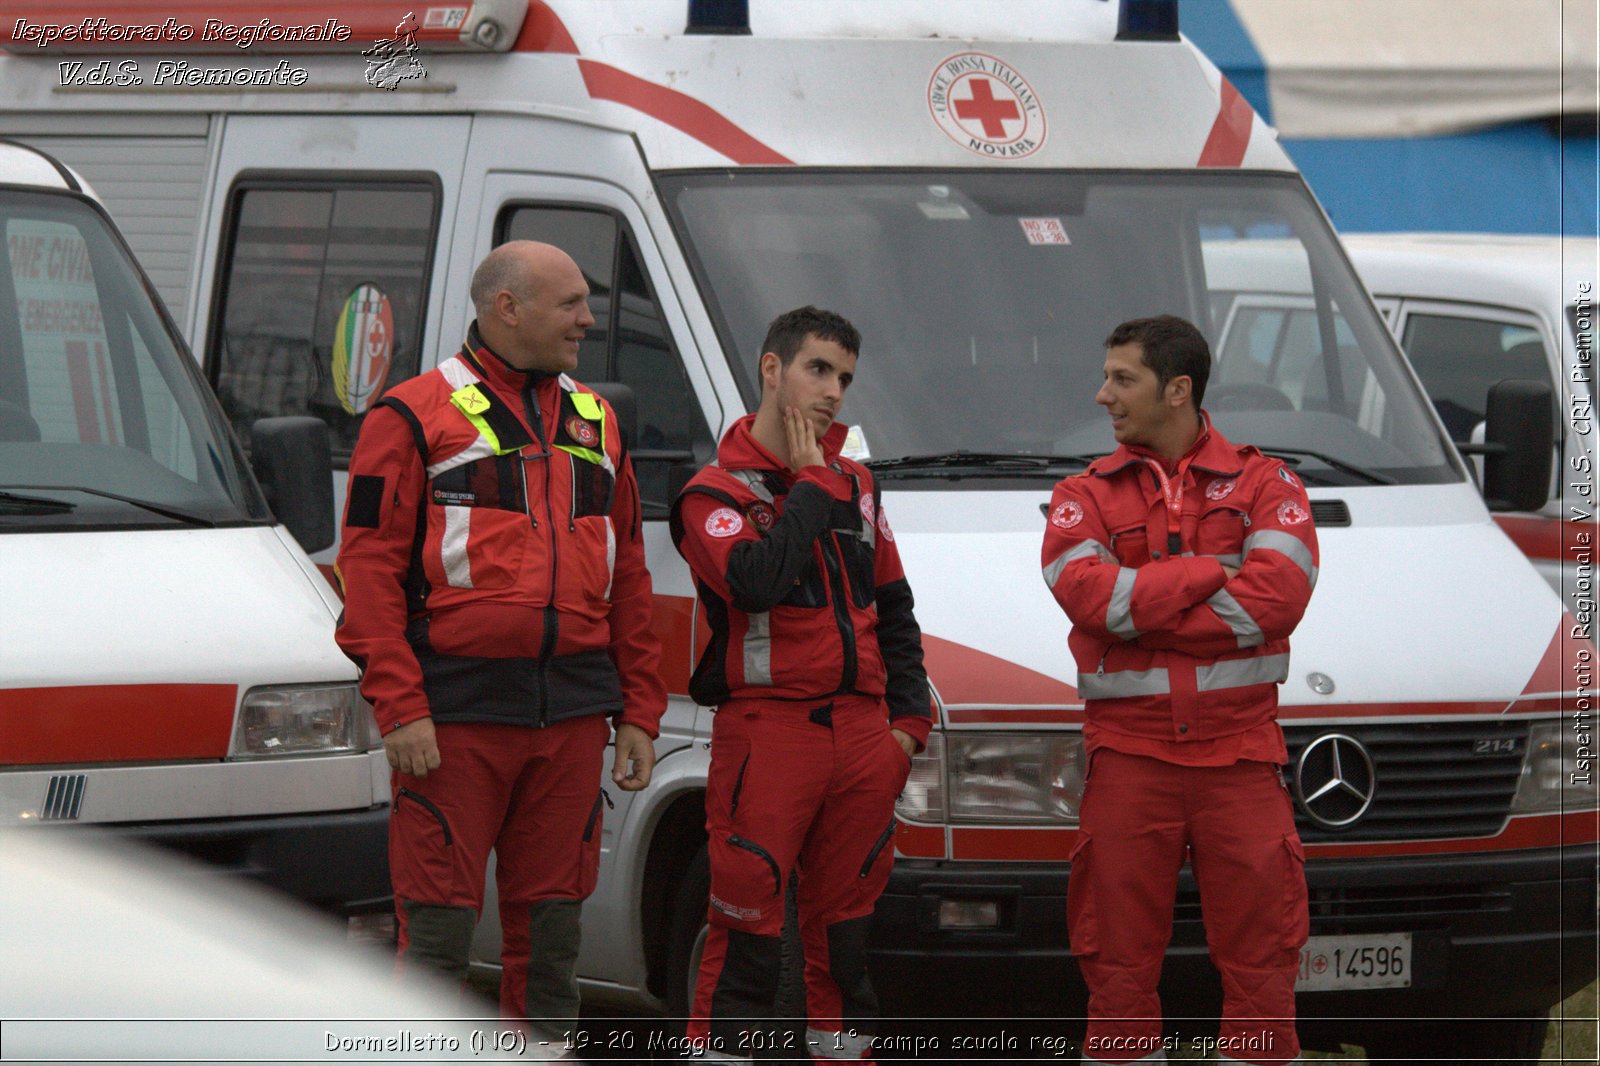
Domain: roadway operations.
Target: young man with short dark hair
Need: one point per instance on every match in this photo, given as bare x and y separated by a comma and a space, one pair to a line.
815, 668
1184, 562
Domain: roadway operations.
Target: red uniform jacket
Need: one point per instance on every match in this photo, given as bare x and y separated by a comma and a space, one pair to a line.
1167, 647
800, 581
492, 558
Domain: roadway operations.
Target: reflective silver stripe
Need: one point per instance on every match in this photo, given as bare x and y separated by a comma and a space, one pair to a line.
1238, 619
753, 479
1123, 684
758, 650
611, 554
1052, 573
827, 1044
453, 549
457, 372
1237, 673
1119, 613
478, 449
1286, 544
1234, 561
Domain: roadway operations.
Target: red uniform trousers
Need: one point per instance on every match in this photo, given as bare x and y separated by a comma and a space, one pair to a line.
533, 795
812, 785
1139, 816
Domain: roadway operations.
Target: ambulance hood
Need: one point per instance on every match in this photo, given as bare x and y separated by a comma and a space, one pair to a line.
1421, 602
165, 607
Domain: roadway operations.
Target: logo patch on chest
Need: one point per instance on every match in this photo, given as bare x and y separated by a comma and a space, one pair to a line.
1220, 488
761, 515
583, 432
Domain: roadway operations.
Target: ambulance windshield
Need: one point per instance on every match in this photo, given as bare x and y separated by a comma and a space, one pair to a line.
984, 299
104, 420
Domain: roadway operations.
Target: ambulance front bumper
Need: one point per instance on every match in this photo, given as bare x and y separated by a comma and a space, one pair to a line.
1491, 934
337, 861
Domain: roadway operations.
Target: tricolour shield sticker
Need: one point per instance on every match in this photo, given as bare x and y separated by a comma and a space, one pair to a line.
363, 342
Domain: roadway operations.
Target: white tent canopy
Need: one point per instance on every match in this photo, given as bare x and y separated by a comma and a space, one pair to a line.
1388, 68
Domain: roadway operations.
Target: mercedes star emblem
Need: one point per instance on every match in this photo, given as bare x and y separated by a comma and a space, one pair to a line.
1334, 780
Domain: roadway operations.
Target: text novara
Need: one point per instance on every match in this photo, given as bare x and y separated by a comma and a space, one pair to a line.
99, 30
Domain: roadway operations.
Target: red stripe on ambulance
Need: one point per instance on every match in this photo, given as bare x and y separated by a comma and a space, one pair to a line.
680, 111
1230, 133
115, 723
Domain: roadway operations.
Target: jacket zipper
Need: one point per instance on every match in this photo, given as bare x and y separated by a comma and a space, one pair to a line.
772, 864
428, 805
530, 403
841, 611
872, 856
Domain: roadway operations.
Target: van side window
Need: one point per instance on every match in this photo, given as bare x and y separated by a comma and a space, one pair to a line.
320, 308
628, 342
1459, 359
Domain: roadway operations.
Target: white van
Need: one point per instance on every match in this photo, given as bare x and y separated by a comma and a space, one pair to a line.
985, 190
1471, 309
167, 670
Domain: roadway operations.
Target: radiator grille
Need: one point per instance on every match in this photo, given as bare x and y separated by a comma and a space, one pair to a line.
63, 799
1430, 779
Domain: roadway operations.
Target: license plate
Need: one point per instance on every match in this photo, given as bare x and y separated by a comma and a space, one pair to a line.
1337, 963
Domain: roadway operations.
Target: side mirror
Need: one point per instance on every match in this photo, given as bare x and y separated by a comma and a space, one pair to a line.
294, 464
626, 406
1517, 449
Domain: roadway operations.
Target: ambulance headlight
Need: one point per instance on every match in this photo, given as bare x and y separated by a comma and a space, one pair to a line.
1559, 772
303, 720
997, 779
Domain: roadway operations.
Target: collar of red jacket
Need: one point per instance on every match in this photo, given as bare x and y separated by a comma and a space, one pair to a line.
740, 450
497, 370
1211, 452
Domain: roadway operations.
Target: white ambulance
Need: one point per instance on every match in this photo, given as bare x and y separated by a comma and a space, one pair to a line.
166, 665
985, 189
1471, 309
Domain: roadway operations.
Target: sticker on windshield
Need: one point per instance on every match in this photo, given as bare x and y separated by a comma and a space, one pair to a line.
1044, 230
986, 106
363, 342
855, 445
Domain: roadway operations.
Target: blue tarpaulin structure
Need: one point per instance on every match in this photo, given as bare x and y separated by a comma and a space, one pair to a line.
1429, 115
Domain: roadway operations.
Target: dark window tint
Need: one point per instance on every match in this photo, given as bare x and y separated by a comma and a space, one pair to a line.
628, 342
323, 295
1459, 359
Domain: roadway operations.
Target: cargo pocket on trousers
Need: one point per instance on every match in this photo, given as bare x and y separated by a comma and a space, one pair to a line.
880, 846
423, 848
1297, 918
1083, 935
589, 852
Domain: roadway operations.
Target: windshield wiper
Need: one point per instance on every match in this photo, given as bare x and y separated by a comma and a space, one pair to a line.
969, 464
1294, 456
16, 503
154, 508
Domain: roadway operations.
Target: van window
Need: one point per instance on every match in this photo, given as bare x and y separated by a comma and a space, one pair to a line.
984, 299
1460, 358
103, 416
628, 343
324, 285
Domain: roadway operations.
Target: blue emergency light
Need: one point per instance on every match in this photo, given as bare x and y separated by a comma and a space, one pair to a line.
719, 16
1148, 20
